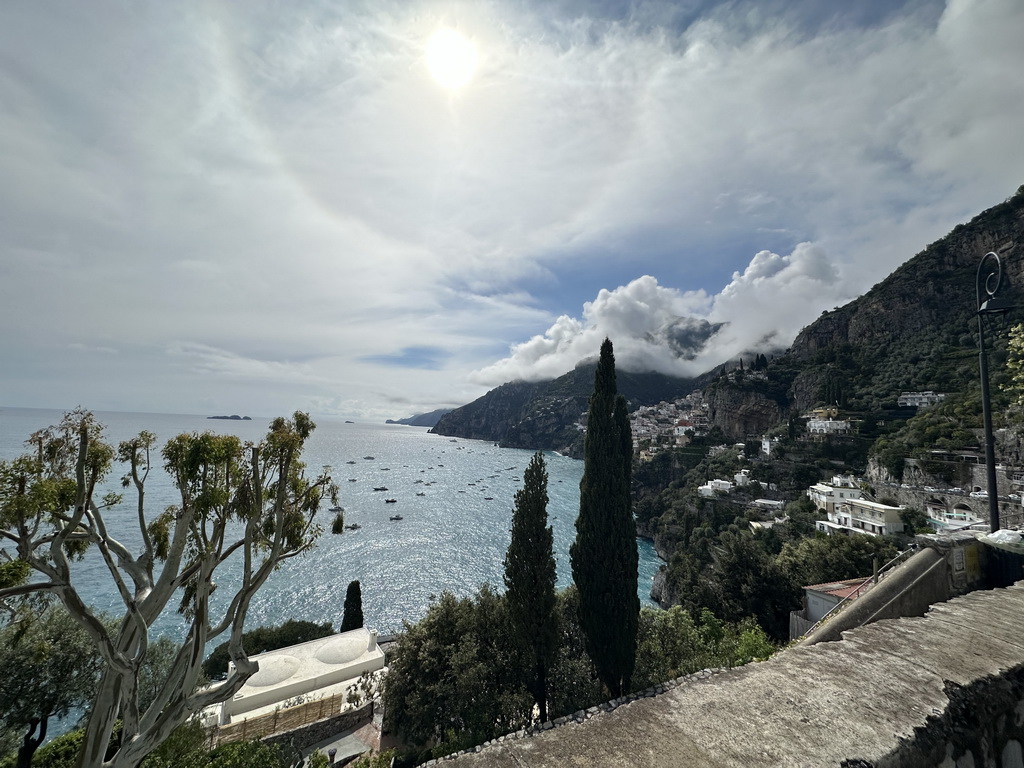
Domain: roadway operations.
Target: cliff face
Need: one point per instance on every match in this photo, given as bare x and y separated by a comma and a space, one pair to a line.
491, 416
934, 289
741, 412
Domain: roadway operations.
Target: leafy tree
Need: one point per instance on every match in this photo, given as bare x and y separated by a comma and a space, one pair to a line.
604, 556
263, 639
832, 558
745, 581
530, 580
454, 677
249, 504
572, 682
915, 521
353, 615
671, 643
50, 667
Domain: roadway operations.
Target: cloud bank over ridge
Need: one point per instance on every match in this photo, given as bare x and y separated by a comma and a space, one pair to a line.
684, 333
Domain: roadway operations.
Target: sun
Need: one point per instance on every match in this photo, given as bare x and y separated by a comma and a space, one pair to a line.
451, 59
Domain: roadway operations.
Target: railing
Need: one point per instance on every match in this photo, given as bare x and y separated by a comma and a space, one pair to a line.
868, 582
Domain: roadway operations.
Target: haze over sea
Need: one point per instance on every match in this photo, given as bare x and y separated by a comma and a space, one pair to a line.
455, 497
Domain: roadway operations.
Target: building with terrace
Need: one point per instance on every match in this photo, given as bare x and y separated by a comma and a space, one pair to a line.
862, 516
826, 495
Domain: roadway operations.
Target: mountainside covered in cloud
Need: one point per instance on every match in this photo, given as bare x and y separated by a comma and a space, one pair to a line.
684, 333
913, 330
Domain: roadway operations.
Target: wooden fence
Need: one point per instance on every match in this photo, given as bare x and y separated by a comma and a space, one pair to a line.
279, 720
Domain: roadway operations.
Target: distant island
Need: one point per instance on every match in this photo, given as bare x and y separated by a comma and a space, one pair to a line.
233, 417
422, 419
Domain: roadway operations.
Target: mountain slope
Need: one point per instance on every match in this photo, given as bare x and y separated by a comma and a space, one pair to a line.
914, 330
543, 415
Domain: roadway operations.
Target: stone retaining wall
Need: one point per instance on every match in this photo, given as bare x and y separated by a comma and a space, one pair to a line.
311, 734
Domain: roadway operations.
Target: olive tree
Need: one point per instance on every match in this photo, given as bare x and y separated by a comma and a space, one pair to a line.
50, 667
250, 504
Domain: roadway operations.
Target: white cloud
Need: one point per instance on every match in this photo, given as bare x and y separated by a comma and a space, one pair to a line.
655, 328
293, 194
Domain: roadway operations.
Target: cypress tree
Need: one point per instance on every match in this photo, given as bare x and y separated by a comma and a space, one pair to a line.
353, 616
604, 556
530, 581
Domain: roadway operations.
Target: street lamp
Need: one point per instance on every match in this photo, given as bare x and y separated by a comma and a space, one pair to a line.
990, 275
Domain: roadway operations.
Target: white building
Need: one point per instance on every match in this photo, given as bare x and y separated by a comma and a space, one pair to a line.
918, 399
826, 495
711, 486
862, 516
828, 426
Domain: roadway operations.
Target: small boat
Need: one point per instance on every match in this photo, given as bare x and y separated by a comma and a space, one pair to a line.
352, 480
396, 517
390, 501
420, 493
336, 509
368, 458
488, 498
349, 422
350, 462
380, 488
353, 527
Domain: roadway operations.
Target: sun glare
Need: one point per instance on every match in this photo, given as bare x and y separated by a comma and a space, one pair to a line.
451, 59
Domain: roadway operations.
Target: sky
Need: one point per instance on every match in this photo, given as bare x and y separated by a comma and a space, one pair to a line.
375, 209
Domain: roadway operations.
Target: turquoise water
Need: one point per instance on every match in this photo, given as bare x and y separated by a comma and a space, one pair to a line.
455, 497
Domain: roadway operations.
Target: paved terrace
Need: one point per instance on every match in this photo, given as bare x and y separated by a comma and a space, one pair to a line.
856, 702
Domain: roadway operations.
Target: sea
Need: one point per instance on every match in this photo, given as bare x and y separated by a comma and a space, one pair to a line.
455, 498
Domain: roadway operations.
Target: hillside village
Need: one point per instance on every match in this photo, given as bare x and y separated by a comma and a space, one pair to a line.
845, 503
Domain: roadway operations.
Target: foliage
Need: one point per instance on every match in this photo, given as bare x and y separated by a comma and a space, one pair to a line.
530, 581
436, 680
671, 644
378, 760
50, 667
186, 747
247, 754
61, 752
251, 504
457, 670
833, 558
604, 555
915, 521
263, 639
352, 618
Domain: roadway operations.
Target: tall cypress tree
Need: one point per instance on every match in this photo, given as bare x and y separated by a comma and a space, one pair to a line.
352, 618
530, 581
604, 556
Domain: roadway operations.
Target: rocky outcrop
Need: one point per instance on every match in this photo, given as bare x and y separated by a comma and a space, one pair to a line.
934, 289
741, 411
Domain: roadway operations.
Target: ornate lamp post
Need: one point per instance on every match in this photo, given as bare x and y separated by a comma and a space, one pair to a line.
990, 275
